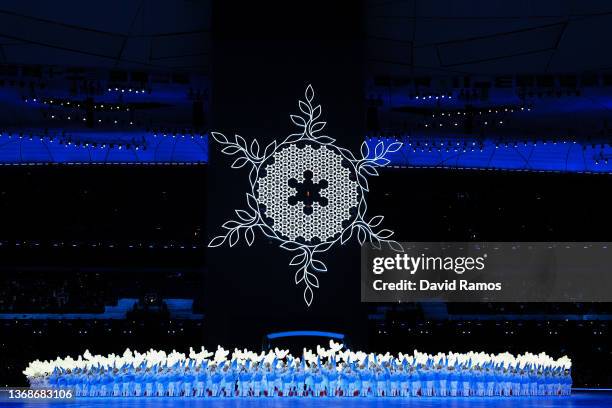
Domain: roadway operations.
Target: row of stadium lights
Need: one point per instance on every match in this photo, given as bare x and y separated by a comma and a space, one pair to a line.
126, 331
433, 97
83, 119
69, 141
78, 244
449, 145
180, 135
474, 94
493, 111
83, 332
102, 107
474, 146
468, 113
509, 327
110, 107
128, 90
77, 105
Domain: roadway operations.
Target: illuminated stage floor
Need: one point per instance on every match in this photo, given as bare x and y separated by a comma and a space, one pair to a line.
579, 399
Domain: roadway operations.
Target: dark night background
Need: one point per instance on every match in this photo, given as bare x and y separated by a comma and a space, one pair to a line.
77, 238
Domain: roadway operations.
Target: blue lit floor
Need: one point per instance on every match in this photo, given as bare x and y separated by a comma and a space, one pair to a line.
579, 399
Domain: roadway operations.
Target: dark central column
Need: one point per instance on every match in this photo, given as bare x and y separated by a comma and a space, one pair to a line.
264, 57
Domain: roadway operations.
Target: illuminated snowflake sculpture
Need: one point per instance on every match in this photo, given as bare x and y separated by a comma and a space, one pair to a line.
306, 193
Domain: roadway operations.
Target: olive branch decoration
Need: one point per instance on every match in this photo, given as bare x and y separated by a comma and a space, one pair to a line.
251, 219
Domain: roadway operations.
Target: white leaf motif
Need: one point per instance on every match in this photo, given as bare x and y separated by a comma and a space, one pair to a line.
346, 235
375, 243
298, 120
394, 147
249, 236
290, 246
365, 150
379, 149
217, 241
304, 107
396, 246
252, 202
318, 265
325, 140
231, 224
363, 182
384, 234
240, 162
317, 127
347, 153
308, 295
361, 235
270, 149
309, 93
241, 142
255, 148
219, 137
323, 247
233, 238
312, 280
267, 231
369, 170
376, 221
231, 149
293, 138
243, 215
382, 162
298, 259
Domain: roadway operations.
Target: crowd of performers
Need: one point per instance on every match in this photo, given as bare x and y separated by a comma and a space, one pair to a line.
328, 372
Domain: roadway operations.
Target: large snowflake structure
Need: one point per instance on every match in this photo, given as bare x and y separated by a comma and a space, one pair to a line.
306, 193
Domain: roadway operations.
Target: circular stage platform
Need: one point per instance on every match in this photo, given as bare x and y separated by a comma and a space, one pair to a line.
581, 399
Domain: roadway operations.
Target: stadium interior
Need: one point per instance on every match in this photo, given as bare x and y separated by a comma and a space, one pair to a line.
111, 187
